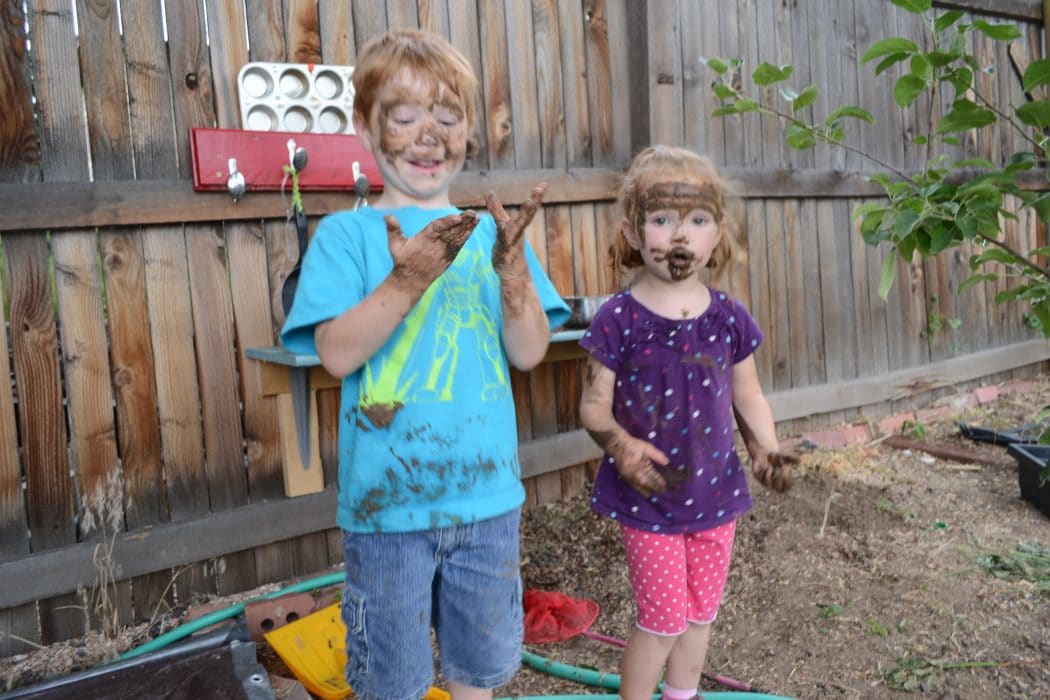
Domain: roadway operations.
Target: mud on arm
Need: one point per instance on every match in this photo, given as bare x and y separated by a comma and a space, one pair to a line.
754, 418
526, 333
633, 458
341, 344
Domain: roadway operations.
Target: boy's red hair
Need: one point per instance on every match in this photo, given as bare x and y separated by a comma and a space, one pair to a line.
426, 54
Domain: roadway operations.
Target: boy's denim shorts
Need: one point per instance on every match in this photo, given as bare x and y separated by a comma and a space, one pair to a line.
463, 581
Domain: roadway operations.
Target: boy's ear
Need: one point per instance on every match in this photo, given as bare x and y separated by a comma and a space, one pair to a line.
630, 234
361, 129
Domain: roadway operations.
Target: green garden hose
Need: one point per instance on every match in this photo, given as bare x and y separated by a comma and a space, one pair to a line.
608, 681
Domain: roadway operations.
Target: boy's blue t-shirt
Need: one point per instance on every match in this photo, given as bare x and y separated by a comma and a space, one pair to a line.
427, 430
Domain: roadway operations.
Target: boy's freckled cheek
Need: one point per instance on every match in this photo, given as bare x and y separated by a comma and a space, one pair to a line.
395, 140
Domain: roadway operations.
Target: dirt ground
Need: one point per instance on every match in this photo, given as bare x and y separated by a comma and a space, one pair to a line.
882, 570
883, 573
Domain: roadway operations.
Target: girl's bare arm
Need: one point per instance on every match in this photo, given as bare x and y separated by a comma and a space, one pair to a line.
755, 420
632, 457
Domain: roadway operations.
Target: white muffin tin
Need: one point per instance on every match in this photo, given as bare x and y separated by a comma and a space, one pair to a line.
296, 97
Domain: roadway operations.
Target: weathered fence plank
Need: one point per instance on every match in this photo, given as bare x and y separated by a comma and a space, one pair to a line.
19, 162
155, 297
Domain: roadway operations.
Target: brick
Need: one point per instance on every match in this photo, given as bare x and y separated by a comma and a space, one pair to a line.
1022, 386
839, 437
266, 615
986, 394
893, 424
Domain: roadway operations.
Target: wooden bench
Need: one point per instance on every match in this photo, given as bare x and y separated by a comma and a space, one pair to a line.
275, 365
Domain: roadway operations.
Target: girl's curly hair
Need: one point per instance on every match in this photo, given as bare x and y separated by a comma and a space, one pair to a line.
665, 165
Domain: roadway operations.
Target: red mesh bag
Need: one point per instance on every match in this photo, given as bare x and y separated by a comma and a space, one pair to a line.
552, 617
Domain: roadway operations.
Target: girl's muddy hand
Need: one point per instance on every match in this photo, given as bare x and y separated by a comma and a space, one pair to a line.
508, 255
643, 478
635, 462
773, 469
421, 259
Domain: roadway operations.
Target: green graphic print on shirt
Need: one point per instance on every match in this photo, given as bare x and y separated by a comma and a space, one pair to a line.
460, 311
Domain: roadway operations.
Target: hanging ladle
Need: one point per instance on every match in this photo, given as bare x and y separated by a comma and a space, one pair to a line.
297, 159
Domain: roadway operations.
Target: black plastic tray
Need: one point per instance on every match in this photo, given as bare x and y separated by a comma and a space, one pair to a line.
1030, 461
1025, 433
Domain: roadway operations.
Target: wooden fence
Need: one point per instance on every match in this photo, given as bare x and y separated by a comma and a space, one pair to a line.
134, 422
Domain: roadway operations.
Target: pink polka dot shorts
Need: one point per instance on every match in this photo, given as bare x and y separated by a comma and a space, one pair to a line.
677, 579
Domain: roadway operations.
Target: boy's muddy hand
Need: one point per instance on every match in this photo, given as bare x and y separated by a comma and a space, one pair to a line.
634, 461
773, 469
508, 255
421, 259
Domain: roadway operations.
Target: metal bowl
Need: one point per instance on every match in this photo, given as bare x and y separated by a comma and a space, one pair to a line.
583, 310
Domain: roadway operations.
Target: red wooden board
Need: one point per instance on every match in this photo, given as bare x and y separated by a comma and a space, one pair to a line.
262, 155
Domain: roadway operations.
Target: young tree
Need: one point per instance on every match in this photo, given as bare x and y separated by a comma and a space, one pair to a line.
947, 202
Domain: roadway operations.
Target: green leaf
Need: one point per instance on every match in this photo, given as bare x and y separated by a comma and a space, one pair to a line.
888, 62
799, 136
1041, 310
961, 79
977, 279
939, 59
946, 20
887, 47
994, 255
1037, 73
905, 223
746, 106
1035, 114
716, 64
999, 32
889, 270
767, 74
907, 89
871, 230
942, 236
805, 98
1008, 295
1039, 251
1041, 207
724, 92
850, 111
921, 68
914, 6
965, 115
975, 162
724, 111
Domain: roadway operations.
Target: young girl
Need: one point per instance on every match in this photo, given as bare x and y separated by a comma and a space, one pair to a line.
670, 362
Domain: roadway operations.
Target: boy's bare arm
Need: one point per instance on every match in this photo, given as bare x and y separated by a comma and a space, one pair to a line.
633, 458
345, 342
526, 333
755, 419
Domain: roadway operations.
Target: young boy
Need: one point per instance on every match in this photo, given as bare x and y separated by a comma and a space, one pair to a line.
418, 306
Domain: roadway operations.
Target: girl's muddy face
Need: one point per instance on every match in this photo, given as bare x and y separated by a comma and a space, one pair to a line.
419, 134
679, 224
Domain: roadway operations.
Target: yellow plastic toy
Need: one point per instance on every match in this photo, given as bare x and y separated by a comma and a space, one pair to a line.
314, 649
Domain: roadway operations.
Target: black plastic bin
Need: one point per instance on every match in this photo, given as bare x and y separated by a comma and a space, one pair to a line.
1031, 459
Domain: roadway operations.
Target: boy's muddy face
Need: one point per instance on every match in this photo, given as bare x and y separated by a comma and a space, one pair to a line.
679, 225
419, 135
